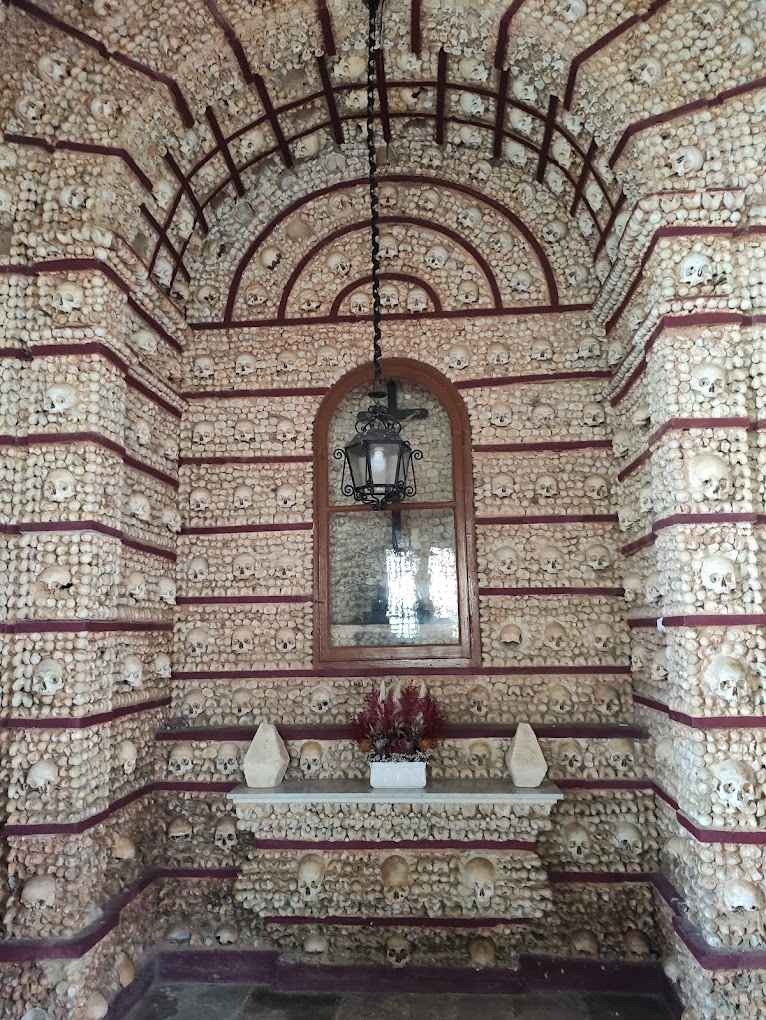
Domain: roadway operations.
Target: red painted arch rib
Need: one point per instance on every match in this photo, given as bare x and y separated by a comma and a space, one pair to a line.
416, 281
417, 221
413, 179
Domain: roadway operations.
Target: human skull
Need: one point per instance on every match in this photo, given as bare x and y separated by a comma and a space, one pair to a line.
243, 497
726, 678
199, 500
256, 295
739, 896
192, 705
243, 565
554, 231
171, 519
470, 217
310, 759
546, 487
39, 892
735, 785
596, 487
570, 756
203, 369
500, 414
311, 870
708, 379
145, 341
468, 292
561, 701
162, 666
573, 10
481, 951
244, 430
286, 497
620, 755
417, 300
520, 282
576, 839
505, 558
398, 951
360, 303
659, 668
389, 295
60, 398
198, 568
583, 942
68, 297
510, 634
479, 756
709, 477
286, 639
555, 636
502, 486
270, 257
436, 257
637, 946
458, 357
198, 641
695, 270
478, 701
628, 839
166, 590
242, 702
687, 160
719, 575
226, 935
123, 848
320, 700
597, 556
309, 300
543, 415
606, 701
132, 671
227, 759
646, 71
139, 507
245, 365
242, 639
479, 881
395, 873
593, 414
55, 578
225, 837
181, 760
551, 558
497, 354
602, 636
541, 350
179, 829
389, 246
127, 756
42, 776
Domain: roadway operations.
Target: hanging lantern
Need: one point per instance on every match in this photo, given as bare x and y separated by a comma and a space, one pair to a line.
378, 466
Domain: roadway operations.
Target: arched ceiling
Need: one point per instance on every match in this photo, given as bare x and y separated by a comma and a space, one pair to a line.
238, 128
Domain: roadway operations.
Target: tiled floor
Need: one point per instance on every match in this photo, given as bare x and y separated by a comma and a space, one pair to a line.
238, 1002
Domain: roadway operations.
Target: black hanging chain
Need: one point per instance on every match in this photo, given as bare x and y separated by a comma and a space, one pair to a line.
374, 27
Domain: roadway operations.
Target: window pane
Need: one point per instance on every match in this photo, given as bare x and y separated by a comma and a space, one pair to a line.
393, 579
432, 435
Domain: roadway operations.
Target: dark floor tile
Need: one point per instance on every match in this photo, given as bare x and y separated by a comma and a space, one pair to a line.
191, 1002
266, 1005
158, 1004
608, 1006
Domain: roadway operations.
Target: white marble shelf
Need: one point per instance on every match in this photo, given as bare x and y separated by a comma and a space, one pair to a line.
352, 791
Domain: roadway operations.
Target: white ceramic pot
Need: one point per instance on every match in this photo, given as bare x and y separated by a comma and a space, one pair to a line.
397, 775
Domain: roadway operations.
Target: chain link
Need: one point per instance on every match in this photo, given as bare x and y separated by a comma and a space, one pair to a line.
372, 178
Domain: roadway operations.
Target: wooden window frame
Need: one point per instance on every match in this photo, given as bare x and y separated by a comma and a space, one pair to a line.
466, 652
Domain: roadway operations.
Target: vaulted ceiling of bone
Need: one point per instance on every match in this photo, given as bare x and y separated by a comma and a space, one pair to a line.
239, 163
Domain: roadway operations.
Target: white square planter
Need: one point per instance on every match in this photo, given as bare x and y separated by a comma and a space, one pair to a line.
397, 775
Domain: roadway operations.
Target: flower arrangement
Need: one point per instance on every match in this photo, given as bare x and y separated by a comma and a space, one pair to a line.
402, 724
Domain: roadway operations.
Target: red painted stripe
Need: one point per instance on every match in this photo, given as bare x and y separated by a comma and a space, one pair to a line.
551, 446
241, 600
268, 107
224, 150
399, 922
416, 41
232, 39
681, 425
611, 592
568, 731
332, 106
396, 844
415, 281
582, 179
82, 626
186, 187
550, 121
244, 529
703, 620
325, 20
441, 96
295, 391
501, 47
715, 722
534, 378
63, 145
500, 105
549, 519
298, 458
27, 527
81, 722
470, 671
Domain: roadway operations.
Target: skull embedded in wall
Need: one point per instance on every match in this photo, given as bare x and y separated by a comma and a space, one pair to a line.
243, 566
242, 702
60, 485
436, 257
478, 701
500, 414
659, 668
597, 556
193, 705
256, 295
620, 755
596, 487
543, 415
468, 292
309, 300
162, 666
171, 519
311, 870
479, 882
561, 701
554, 231
242, 497
637, 946
583, 943
389, 296
203, 369
198, 641
481, 952
510, 635
39, 892
695, 269
389, 246
593, 414
602, 637
727, 678
286, 639
719, 575
42, 777
497, 354
270, 257
645, 71
139, 507
395, 873
180, 830
398, 951
655, 592
227, 759
166, 590
198, 568
245, 365
321, 700
687, 160
360, 303
48, 677
68, 297
570, 756
123, 848
181, 760
389, 196
458, 357
55, 578
199, 500
417, 300
286, 497
505, 559
225, 837
628, 839
310, 759
709, 477
226, 935
127, 756
606, 701
285, 431
741, 897
551, 558
515, 152
555, 636
520, 282
242, 640
145, 341
735, 785
132, 672
502, 486
546, 487
479, 757
60, 398
541, 350
708, 379
470, 217
244, 431
576, 840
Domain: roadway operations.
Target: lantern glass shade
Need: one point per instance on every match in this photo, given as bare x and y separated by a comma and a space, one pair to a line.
379, 466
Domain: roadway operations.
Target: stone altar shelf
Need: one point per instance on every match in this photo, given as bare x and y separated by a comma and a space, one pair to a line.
351, 791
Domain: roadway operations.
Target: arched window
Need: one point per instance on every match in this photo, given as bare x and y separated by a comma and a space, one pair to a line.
396, 586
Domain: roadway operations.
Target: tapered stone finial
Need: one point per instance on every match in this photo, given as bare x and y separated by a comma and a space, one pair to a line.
526, 762
266, 760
